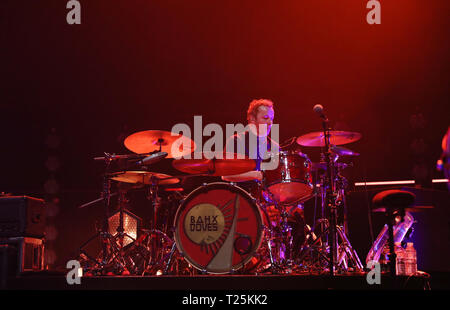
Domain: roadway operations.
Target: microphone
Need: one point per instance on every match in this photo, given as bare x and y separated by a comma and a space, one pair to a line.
116, 157
151, 159
318, 108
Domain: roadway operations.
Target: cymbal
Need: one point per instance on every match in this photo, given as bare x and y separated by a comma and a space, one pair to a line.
342, 151
336, 138
147, 141
143, 177
216, 166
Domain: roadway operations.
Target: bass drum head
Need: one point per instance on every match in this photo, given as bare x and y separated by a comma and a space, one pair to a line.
218, 228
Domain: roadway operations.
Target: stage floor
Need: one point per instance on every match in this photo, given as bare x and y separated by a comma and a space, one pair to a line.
57, 281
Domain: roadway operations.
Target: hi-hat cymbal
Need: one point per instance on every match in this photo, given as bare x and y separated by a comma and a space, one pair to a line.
175, 145
225, 165
336, 138
143, 177
342, 151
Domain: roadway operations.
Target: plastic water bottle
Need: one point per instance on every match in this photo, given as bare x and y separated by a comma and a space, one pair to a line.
400, 266
410, 259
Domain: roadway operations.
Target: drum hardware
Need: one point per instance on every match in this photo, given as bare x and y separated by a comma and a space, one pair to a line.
155, 243
110, 259
285, 257
158, 247
169, 261
285, 187
151, 252
123, 235
96, 201
155, 252
146, 254
279, 239
344, 253
331, 233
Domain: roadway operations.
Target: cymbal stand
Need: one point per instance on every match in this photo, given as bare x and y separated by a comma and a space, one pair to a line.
121, 235
287, 240
333, 237
156, 241
109, 247
346, 256
317, 244
330, 199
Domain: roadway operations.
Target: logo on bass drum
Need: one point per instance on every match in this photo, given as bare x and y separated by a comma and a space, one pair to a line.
204, 224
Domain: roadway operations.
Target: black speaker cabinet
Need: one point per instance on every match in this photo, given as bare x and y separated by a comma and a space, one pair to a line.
22, 254
22, 216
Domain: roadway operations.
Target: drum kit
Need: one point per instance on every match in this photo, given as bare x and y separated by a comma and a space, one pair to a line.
219, 227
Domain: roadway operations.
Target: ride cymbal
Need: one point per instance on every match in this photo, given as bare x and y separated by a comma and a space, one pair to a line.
336, 138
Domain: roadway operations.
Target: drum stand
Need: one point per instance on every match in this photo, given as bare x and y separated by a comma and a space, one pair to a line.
154, 241
284, 249
332, 245
282, 261
111, 258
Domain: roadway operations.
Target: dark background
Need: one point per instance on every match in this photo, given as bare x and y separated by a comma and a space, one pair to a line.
140, 65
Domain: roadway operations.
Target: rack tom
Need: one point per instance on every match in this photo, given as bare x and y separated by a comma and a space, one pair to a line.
291, 181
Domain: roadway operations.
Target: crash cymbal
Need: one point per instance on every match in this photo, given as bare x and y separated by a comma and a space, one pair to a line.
143, 177
342, 151
147, 141
336, 138
225, 165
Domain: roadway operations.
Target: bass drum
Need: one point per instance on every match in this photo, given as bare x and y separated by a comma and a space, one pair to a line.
218, 228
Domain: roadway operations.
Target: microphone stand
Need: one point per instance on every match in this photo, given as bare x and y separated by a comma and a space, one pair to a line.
330, 201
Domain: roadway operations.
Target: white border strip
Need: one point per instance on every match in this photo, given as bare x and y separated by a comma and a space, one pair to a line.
397, 182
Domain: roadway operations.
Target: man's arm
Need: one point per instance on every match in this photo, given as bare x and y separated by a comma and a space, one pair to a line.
242, 177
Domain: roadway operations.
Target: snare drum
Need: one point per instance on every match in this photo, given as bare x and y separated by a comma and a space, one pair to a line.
291, 181
218, 228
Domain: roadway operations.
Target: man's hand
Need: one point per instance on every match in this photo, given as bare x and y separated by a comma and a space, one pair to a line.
258, 175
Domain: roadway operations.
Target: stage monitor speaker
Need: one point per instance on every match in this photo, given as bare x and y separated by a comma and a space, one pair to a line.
22, 254
22, 216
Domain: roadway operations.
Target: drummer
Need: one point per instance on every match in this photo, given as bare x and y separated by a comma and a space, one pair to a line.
260, 112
